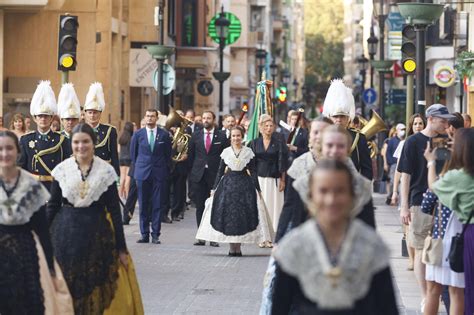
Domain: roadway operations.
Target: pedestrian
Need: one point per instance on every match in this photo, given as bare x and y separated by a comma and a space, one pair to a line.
298, 144
228, 122
332, 263
390, 162
454, 190
124, 158
150, 152
414, 183
236, 213
294, 212
69, 109
198, 120
56, 124
195, 125
340, 108
106, 147
87, 233
205, 148
27, 263
271, 156
17, 125
467, 120
43, 149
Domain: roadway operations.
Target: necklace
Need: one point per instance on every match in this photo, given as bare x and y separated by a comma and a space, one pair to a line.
84, 185
237, 155
9, 202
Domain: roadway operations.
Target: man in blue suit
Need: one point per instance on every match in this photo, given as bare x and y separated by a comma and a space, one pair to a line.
150, 151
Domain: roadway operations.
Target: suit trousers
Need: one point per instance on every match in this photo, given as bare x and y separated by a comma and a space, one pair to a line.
202, 191
178, 193
131, 199
150, 194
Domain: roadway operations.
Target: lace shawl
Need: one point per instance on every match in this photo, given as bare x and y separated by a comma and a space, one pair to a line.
362, 187
303, 255
68, 175
302, 165
237, 163
28, 197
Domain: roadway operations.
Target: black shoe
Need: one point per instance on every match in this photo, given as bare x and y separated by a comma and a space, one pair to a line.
126, 219
238, 254
199, 243
214, 244
143, 240
155, 240
231, 254
166, 220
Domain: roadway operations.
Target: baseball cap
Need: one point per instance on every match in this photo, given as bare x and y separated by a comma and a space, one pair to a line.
438, 110
400, 127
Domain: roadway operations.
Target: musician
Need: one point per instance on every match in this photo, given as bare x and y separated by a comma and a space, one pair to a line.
69, 109
43, 149
195, 126
340, 108
298, 144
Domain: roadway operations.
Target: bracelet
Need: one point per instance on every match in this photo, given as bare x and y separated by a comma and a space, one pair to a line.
430, 163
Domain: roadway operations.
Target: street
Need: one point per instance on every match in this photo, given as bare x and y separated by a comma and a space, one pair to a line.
179, 278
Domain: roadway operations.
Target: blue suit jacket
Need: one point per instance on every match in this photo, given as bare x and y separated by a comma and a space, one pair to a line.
148, 164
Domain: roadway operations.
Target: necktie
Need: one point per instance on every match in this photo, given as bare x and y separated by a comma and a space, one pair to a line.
152, 140
208, 142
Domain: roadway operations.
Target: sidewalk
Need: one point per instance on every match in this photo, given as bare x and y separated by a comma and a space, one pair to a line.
406, 286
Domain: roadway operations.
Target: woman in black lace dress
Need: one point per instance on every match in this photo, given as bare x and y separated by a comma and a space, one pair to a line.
236, 213
26, 255
271, 155
86, 227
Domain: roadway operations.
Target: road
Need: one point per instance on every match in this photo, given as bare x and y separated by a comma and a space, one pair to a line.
179, 278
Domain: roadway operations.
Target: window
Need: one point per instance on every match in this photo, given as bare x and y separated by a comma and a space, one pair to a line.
189, 23
171, 19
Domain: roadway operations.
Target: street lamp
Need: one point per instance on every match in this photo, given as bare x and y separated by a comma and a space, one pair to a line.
372, 42
222, 27
274, 74
363, 64
261, 56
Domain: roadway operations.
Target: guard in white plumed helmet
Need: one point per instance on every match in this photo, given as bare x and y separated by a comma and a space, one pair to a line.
69, 109
339, 106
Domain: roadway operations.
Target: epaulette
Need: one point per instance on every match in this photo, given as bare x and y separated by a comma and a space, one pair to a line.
108, 125
30, 132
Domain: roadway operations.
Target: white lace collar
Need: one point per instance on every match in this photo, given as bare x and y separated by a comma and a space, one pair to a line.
29, 196
302, 254
362, 188
68, 175
237, 163
302, 165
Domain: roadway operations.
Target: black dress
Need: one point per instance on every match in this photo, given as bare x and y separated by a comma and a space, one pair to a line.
21, 214
236, 212
273, 161
87, 233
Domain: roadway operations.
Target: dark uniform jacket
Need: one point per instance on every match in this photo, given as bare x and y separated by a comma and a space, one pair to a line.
360, 154
300, 142
106, 147
40, 154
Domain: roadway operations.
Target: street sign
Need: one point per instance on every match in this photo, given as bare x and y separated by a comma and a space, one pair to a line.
205, 87
169, 78
395, 21
396, 96
369, 96
235, 28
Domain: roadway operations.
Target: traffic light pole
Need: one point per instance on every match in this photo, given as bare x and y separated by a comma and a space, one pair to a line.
64, 77
420, 69
409, 109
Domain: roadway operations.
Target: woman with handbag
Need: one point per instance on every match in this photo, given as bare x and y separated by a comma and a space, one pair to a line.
454, 189
30, 280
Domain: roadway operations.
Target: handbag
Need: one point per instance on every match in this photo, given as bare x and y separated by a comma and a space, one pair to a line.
433, 248
456, 251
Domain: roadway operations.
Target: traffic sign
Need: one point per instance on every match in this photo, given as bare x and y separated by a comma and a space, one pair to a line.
235, 28
396, 96
169, 78
369, 96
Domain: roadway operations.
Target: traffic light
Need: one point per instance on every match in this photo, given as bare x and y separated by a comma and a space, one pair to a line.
408, 49
67, 46
282, 94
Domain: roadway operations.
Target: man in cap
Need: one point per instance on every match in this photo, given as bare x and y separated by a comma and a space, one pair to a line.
43, 149
414, 183
69, 109
340, 108
106, 146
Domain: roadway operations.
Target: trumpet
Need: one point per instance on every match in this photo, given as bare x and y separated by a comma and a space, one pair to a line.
180, 141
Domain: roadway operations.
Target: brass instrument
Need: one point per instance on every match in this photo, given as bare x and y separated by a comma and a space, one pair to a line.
371, 128
180, 138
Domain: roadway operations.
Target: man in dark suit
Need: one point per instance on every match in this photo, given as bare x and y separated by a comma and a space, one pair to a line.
299, 143
150, 151
204, 152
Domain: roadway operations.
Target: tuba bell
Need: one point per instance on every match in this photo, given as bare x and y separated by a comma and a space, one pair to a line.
180, 138
373, 126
